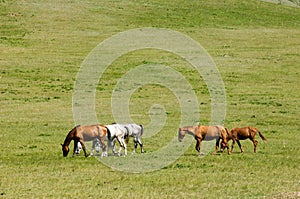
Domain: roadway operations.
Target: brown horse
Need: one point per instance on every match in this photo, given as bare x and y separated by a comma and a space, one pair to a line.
85, 133
237, 134
201, 133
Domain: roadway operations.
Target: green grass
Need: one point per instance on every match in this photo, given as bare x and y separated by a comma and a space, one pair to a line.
254, 44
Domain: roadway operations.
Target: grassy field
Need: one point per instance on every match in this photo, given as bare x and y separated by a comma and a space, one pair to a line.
255, 45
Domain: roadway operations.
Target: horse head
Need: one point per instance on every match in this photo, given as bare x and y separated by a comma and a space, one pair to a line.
65, 150
181, 134
226, 136
223, 146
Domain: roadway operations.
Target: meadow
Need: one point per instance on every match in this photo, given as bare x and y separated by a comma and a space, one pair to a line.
254, 44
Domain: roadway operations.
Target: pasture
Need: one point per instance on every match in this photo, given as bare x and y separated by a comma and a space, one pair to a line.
254, 44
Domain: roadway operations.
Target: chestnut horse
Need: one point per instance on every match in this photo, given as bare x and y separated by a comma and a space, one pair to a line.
85, 133
201, 133
237, 134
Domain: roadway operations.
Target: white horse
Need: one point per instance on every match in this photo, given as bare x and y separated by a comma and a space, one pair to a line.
117, 132
135, 131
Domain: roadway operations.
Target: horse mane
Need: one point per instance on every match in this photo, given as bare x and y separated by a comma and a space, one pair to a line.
67, 137
187, 128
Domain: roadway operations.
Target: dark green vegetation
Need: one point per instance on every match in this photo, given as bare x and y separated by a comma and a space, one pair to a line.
254, 44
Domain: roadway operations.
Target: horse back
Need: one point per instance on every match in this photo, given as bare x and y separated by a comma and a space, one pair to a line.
241, 133
134, 130
210, 132
91, 132
116, 130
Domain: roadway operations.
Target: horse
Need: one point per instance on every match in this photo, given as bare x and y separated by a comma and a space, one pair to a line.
118, 132
201, 133
133, 130
237, 134
85, 133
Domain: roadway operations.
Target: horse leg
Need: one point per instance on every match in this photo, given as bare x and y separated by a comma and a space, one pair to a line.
227, 146
217, 146
198, 146
125, 148
135, 146
241, 148
103, 147
122, 144
111, 144
83, 148
225, 143
232, 145
136, 142
93, 147
141, 145
255, 142
75, 147
98, 145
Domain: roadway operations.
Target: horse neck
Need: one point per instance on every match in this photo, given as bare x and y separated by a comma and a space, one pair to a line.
189, 130
69, 137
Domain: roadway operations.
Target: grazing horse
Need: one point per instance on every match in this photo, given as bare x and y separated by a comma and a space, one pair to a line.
237, 134
118, 132
85, 133
201, 133
135, 131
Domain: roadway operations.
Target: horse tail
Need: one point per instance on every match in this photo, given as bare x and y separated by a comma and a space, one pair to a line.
108, 133
261, 135
126, 136
142, 129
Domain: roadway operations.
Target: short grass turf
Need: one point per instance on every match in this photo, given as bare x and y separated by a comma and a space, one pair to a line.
254, 44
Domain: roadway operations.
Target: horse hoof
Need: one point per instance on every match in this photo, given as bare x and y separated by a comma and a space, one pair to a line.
104, 155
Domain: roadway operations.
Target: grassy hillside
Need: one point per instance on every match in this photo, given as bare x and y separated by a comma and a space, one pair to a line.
254, 44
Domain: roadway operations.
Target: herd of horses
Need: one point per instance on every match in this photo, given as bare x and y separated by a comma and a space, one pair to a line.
98, 133
122, 132
220, 133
